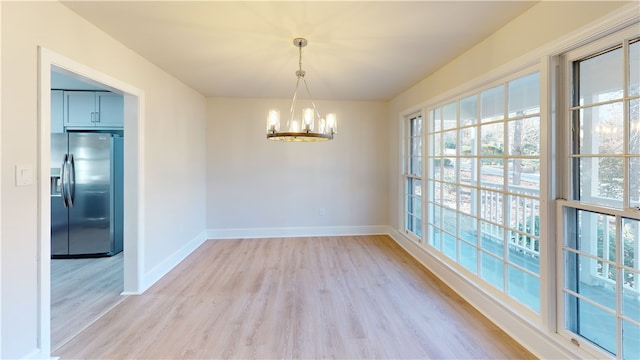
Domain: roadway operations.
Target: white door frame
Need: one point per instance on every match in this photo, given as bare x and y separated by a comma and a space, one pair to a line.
134, 185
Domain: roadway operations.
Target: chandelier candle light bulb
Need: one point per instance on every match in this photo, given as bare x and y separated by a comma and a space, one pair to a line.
305, 128
294, 128
273, 121
332, 123
308, 119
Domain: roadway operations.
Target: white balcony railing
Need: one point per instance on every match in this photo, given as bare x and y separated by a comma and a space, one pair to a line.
522, 217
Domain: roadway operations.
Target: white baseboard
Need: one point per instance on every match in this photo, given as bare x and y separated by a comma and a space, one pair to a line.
128, 293
160, 270
35, 354
539, 342
296, 232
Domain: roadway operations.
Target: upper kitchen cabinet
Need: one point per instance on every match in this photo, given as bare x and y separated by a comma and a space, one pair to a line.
110, 109
57, 111
93, 109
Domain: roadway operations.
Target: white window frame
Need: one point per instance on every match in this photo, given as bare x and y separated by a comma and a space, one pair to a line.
544, 249
566, 203
406, 173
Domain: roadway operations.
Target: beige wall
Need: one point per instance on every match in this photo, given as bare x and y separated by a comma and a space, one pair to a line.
174, 152
254, 183
542, 24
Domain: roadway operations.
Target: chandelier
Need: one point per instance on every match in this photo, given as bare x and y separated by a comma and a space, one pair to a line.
310, 126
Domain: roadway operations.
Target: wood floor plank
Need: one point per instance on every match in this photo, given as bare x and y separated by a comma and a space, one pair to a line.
82, 290
322, 297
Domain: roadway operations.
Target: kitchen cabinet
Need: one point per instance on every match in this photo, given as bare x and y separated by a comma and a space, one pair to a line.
57, 111
93, 109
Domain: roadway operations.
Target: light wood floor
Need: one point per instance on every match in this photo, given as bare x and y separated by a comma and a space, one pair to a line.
82, 290
331, 297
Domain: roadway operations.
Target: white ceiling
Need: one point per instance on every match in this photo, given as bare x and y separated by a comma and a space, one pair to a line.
357, 50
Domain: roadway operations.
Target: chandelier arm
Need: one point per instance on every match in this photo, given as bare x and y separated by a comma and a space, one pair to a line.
293, 103
311, 98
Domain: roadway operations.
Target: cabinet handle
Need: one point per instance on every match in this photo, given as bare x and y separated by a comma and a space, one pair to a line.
97, 116
93, 117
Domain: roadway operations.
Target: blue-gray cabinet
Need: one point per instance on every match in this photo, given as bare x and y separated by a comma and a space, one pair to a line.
93, 109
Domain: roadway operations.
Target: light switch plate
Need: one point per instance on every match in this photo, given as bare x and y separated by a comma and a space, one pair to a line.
24, 174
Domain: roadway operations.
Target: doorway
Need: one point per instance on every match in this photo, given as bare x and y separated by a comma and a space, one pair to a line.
86, 218
133, 184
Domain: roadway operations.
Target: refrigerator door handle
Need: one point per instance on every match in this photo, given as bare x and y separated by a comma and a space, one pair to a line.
63, 181
72, 181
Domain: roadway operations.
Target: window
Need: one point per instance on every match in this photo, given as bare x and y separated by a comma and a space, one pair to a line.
532, 191
483, 185
600, 290
413, 176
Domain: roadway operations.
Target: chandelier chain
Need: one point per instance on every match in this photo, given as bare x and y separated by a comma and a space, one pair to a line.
300, 59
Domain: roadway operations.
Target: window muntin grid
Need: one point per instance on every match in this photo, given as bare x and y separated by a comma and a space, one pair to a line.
413, 176
600, 289
483, 181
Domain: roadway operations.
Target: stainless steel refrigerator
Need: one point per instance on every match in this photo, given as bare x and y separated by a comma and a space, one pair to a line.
86, 194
